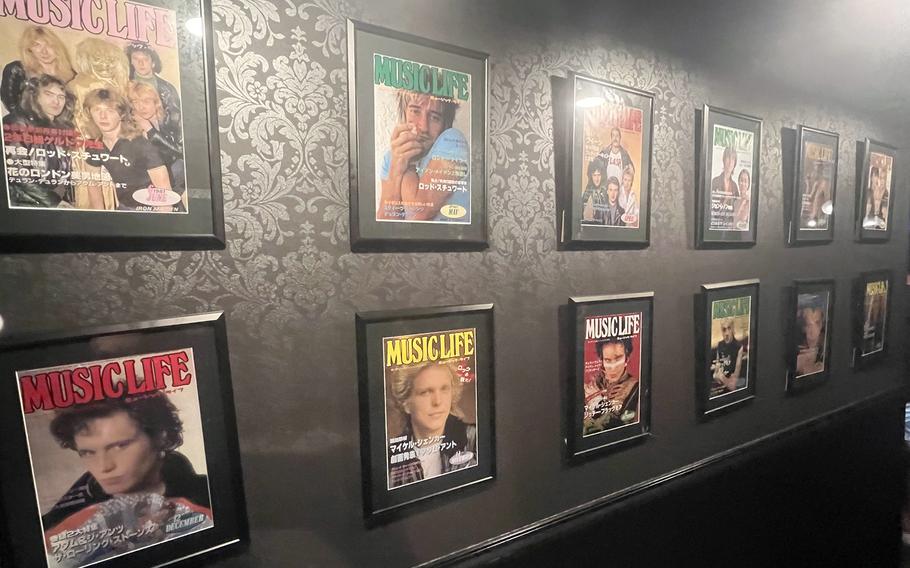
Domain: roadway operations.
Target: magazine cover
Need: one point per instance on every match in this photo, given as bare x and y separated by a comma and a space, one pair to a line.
731, 171
422, 118
877, 194
430, 385
729, 365
91, 107
815, 189
117, 455
875, 310
612, 367
812, 314
612, 159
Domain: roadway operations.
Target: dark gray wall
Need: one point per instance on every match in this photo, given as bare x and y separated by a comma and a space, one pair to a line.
290, 285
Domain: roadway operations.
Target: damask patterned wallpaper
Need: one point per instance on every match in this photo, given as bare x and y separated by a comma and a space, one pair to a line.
290, 285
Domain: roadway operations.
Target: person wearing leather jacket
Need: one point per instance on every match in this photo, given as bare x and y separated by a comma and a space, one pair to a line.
44, 103
149, 114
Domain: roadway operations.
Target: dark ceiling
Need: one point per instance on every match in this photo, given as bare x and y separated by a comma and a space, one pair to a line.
852, 52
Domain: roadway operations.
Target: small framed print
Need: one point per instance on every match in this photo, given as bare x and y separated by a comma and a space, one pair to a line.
871, 306
874, 195
149, 178
728, 181
727, 332
606, 190
418, 142
120, 446
426, 403
814, 186
610, 375
811, 320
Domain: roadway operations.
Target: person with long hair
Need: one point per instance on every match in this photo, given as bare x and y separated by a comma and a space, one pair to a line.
436, 440
145, 67
149, 114
41, 52
594, 197
743, 207
132, 161
44, 103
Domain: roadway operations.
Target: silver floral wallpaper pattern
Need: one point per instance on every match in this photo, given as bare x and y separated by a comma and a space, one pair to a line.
290, 285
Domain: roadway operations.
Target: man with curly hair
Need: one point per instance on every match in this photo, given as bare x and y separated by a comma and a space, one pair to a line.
128, 446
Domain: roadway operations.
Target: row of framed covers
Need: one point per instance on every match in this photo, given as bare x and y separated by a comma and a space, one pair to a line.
120, 445
148, 178
418, 136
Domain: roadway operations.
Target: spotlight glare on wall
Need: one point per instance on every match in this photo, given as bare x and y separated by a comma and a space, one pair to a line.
590, 102
194, 26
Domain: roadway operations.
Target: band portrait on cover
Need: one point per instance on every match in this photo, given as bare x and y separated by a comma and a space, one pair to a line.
812, 316
612, 352
730, 334
612, 162
91, 106
731, 171
422, 118
117, 454
431, 405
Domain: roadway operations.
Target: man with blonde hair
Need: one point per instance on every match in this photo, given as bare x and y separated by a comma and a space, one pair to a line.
435, 440
425, 153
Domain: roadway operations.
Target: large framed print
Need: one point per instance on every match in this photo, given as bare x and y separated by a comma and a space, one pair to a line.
110, 138
875, 193
418, 142
426, 403
871, 309
610, 375
727, 348
729, 159
119, 446
810, 322
606, 192
814, 186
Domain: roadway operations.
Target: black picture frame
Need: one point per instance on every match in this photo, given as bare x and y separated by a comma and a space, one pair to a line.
21, 540
572, 94
710, 231
873, 154
805, 294
585, 438
710, 395
870, 319
201, 227
391, 479
369, 234
811, 233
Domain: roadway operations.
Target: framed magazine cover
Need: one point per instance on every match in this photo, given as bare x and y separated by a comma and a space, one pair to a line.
810, 323
727, 185
120, 446
814, 186
604, 134
426, 403
727, 349
418, 142
875, 194
871, 316
110, 130
610, 374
